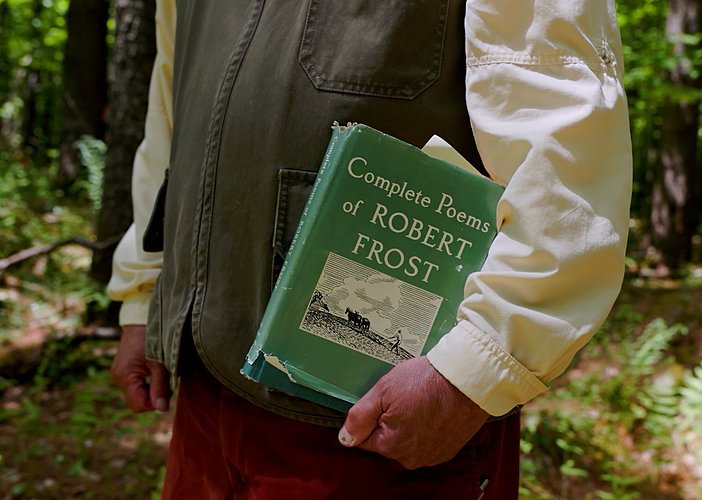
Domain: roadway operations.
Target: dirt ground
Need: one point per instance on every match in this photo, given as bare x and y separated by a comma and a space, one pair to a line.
78, 440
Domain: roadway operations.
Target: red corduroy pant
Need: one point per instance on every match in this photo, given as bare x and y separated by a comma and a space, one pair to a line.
225, 447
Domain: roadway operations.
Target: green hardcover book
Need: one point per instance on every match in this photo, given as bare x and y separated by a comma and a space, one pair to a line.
376, 270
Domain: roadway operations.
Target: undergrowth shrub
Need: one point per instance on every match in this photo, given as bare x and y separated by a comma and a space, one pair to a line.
617, 427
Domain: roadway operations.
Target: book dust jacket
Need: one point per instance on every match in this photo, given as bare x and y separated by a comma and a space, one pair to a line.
376, 270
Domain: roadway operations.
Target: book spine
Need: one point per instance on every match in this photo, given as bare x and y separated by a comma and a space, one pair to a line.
288, 269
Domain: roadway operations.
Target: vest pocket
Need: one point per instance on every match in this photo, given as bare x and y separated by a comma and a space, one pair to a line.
294, 188
388, 48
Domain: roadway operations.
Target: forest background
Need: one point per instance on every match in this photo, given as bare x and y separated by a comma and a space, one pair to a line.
624, 422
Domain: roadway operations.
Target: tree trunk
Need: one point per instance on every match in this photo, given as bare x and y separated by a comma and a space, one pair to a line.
132, 59
84, 80
31, 120
675, 197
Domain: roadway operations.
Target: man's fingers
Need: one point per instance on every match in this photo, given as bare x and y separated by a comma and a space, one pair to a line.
159, 389
136, 392
361, 420
145, 383
413, 415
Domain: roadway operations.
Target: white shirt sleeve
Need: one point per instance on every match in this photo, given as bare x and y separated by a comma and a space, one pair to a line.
549, 114
134, 271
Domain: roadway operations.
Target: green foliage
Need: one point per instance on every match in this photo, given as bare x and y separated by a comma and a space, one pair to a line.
614, 427
32, 37
691, 399
52, 288
67, 360
649, 58
92, 157
621, 325
76, 435
30, 202
645, 354
50, 294
642, 24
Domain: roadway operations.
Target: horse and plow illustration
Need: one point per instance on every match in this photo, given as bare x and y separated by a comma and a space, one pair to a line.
370, 312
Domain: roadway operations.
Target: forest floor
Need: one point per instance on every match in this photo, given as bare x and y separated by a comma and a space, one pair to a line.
600, 407
65, 431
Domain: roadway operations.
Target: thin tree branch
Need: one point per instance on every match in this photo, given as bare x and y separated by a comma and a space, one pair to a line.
29, 253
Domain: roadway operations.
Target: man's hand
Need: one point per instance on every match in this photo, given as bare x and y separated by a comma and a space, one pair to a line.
413, 415
145, 383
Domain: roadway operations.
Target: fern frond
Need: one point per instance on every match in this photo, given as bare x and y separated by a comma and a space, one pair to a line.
650, 348
691, 398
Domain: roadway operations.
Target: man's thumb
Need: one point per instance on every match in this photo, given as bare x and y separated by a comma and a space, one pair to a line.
361, 420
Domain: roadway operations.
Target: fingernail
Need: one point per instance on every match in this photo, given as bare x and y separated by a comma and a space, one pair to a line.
345, 438
161, 404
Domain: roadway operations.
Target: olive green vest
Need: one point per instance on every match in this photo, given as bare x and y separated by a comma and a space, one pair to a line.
257, 85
